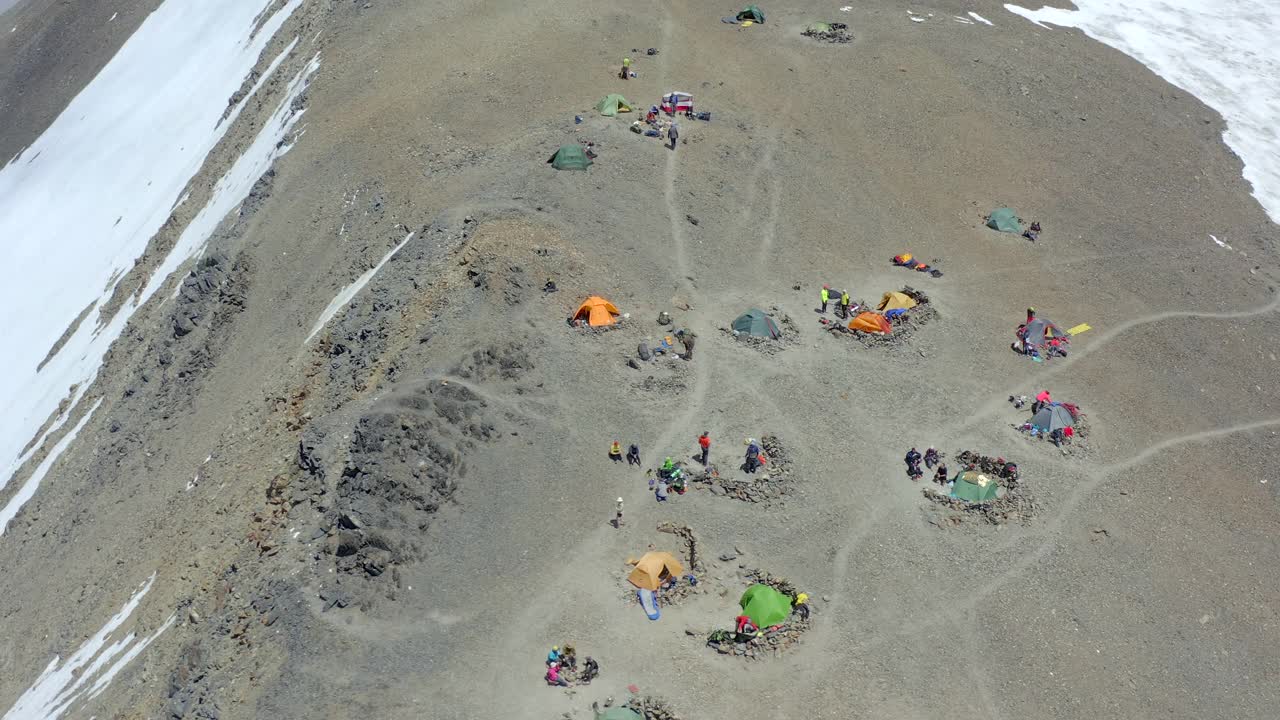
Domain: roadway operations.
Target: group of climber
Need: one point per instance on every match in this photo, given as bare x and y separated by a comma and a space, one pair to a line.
562, 667
842, 301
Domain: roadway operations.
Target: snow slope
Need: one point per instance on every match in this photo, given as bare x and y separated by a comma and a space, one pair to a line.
81, 203
1224, 53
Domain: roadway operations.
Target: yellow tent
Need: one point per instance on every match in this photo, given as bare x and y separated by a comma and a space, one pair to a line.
597, 311
896, 300
653, 569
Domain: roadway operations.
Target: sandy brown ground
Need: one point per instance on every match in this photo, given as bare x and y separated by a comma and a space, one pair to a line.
821, 163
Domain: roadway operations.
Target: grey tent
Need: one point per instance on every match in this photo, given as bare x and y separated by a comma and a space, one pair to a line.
1038, 332
757, 323
1053, 417
1004, 220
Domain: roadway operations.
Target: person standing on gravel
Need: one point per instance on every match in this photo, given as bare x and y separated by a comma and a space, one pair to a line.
825, 297
615, 451
844, 304
704, 442
673, 134
617, 518
753, 457
633, 455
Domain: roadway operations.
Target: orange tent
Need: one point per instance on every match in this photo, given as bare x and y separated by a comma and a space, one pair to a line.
597, 311
870, 322
653, 569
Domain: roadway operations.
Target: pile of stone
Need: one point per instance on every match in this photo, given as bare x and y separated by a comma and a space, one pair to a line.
829, 32
651, 707
772, 643
1013, 502
780, 584
771, 482
685, 533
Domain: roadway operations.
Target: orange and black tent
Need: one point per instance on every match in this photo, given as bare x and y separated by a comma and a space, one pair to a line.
596, 311
870, 322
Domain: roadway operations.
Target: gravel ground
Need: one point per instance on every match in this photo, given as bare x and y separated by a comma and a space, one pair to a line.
414, 505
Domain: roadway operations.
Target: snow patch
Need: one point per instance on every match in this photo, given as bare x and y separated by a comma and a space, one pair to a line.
1223, 53
28, 489
979, 18
64, 683
350, 291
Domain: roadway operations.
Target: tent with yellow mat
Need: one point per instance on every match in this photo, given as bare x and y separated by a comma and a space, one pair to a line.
869, 322
653, 569
896, 301
596, 311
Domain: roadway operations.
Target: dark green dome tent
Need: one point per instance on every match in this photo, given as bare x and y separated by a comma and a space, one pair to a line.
570, 157
756, 323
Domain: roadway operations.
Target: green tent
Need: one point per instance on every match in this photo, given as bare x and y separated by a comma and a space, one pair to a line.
613, 104
765, 606
819, 27
1004, 220
973, 486
618, 713
751, 12
756, 323
570, 157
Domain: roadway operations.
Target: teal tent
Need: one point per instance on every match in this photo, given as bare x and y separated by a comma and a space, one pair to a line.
765, 606
973, 486
613, 104
1004, 220
751, 12
757, 324
570, 157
